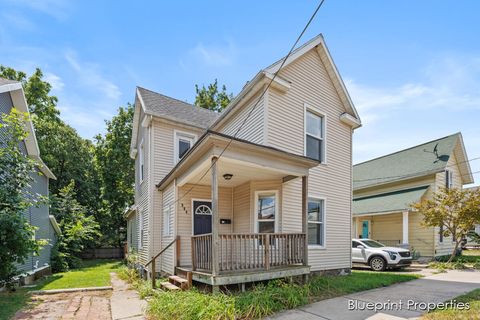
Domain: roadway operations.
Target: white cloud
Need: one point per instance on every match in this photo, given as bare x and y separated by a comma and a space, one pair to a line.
58, 9
448, 82
54, 80
214, 55
90, 76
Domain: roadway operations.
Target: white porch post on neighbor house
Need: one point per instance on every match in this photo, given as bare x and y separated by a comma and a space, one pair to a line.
405, 227
215, 215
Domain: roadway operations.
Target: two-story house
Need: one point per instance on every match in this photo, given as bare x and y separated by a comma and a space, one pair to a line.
12, 95
386, 187
262, 190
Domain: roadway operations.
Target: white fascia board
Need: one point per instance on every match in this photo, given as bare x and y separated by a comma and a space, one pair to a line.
350, 120
10, 87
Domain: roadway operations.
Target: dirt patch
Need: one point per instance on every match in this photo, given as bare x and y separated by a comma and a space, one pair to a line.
74, 305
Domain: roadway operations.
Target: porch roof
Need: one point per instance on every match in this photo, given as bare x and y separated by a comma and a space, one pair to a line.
388, 202
242, 156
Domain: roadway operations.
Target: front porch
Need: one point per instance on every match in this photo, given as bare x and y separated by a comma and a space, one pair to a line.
235, 217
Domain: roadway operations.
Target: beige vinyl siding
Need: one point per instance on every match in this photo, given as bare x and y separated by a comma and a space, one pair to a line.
142, 193
168, 257
241, 209
292, 206
387, 227
420, 238
311, 84
253, 129
185, 217
162, 162
446, 247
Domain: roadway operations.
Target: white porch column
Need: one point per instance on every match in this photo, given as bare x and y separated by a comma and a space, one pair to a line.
405, 227
215, 215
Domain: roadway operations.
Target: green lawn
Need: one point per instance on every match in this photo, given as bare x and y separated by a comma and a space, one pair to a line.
473, 298
263, 299
93, 273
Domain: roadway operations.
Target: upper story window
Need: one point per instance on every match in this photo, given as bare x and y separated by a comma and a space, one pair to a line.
141, 163
448, 179
183, 142
314, 135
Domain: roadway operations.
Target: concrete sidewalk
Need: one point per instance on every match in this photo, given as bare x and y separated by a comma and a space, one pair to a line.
124, 302
432, 289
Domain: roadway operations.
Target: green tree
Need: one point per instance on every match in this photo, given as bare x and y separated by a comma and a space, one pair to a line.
79, 228
211, 97
456, 210
16, 175
68, 155
116, 174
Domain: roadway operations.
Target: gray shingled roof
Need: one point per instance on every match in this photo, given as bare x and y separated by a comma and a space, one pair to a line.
415, 161
4, 81
169, 108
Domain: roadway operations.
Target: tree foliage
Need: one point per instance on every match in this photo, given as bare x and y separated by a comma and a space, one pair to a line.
16, 175
116, 174
211, 97
79, 228
455, 211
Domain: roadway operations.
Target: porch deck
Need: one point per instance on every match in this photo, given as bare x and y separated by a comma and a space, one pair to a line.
247, 257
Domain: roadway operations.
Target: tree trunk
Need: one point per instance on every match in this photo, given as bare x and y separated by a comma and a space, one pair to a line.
457, 242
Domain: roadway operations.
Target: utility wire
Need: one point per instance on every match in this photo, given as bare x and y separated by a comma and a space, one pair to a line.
255, 105
414, 174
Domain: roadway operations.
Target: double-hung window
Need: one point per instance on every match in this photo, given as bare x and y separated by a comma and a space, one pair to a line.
266, 212
183, 142
314, 135
166, 220
316, 222
141, 162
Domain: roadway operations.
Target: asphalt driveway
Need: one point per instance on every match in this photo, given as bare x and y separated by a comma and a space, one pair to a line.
404, 300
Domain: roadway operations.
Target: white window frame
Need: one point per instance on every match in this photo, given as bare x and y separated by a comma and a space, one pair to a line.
277, 212
177, 135
310, 109
167, 213
448, 179
324, 223
141, 162
141, 230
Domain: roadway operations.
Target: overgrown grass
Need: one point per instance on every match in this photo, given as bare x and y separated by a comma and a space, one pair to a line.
11, 302
261, 300
468, 259
473, 298
92, 273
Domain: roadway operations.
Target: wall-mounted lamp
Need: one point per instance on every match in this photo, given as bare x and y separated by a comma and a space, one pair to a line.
227, 176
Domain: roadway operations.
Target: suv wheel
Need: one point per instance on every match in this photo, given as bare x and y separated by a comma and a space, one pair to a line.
378, 264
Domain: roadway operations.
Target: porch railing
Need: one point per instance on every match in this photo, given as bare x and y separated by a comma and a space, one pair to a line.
249, 251
391, 243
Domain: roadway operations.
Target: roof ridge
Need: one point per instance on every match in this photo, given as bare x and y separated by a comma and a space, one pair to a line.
169, 97
409, 148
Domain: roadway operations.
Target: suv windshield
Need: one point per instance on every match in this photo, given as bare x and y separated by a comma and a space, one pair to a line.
372, 244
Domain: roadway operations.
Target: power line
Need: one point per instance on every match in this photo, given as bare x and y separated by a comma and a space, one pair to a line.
414, 174
256, 103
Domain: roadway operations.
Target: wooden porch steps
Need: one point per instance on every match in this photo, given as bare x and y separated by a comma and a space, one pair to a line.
169, 286
179, 282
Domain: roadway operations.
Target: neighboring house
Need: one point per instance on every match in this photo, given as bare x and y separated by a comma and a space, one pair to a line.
12, 95
246, 213
385, 187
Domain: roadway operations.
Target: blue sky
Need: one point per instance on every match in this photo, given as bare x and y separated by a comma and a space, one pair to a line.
412, 67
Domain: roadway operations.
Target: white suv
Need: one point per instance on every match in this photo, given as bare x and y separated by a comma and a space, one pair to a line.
378, 256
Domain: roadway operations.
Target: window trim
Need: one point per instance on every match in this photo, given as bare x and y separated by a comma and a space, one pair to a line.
255, 209
141, 162
177, 134
316, 111
324, 245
